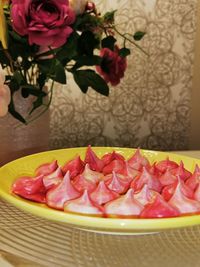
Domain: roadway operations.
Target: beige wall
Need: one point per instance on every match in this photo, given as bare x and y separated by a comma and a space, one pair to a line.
151, 108
195, 97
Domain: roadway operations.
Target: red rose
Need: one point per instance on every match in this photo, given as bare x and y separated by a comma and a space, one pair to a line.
47, 23
113, 65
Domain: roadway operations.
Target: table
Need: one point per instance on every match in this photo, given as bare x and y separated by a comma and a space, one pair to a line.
41, 243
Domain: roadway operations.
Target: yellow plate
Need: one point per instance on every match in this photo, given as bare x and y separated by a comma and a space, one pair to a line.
27, 165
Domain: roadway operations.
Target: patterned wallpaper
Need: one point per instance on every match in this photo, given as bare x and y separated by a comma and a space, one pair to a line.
151, 107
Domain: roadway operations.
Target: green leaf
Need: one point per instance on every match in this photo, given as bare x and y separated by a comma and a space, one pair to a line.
109, 17
53, 69
69, 50
21, 47
139, 35
3, 59
41, 80
86, 21
18, 37
16, 81
59, 73
29, 89
36, 104
124, 52
18, 77
108, 42
87, 61
87, 42
14, 113
89, 78
46, 65
26, 64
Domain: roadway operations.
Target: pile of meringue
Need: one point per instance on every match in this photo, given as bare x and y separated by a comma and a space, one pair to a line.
112, 186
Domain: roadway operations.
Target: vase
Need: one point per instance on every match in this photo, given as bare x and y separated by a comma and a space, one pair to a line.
18, 140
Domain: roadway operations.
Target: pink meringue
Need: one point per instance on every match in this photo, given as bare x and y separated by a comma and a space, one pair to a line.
102, 194
30, 188
52, 179
109, 157
47, 168
183, 203
117, 184
124, 206
81, 183
57, 196
166, 164
93, 161
83, 205
181, 172
146, 178
137, 161
145, 195
194, 179
75, 166
159, 208
116, 165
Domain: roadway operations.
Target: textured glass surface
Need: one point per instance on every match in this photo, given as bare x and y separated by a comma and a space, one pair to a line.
51, 244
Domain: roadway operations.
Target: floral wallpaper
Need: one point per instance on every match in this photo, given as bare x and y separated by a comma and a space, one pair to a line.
151, 107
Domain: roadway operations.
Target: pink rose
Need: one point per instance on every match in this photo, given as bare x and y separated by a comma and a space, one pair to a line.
4, 95
46, 23
113, 66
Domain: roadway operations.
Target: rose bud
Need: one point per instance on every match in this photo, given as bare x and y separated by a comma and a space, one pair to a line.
91, 7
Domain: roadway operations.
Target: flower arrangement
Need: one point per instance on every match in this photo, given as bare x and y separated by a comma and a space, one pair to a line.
41, 40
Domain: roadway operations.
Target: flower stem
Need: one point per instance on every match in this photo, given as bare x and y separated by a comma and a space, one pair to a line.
10, 60
45, 105
131, 41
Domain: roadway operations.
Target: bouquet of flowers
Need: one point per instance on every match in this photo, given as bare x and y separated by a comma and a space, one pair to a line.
42, 40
